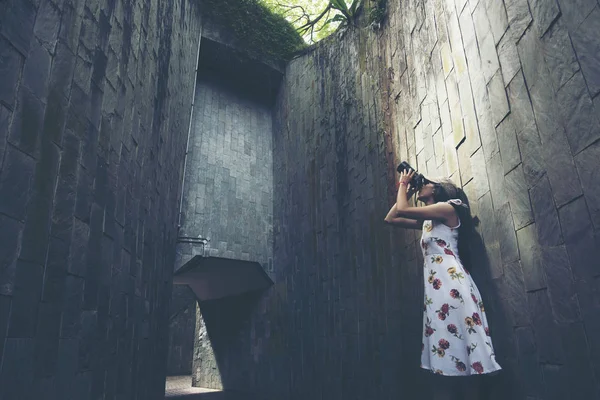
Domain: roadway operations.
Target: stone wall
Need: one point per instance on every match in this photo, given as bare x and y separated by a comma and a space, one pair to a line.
228, 190
503, 97
95, 102
182, 324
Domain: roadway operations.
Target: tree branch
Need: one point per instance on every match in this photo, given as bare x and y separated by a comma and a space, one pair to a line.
311, 23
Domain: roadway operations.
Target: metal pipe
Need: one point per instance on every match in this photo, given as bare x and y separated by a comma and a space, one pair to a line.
187, 145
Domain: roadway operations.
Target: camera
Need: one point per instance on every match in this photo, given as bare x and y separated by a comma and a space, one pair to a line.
418, 180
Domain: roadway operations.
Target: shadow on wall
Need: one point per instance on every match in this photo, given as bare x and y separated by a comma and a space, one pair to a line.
182, 323
224, 342
504, 385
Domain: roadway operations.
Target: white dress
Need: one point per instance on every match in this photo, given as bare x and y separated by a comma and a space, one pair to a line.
456, 338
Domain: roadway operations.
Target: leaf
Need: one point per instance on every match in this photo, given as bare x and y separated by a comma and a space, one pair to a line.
339, 5
336, 18
354, 6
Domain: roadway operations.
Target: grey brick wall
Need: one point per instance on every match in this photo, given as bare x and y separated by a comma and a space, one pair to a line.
503, 96
228, 190
94, 112
182, 324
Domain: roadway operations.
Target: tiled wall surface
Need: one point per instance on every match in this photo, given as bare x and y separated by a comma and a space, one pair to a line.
95, 100
228, 190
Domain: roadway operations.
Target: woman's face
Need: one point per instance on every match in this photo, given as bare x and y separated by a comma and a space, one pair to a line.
426, 192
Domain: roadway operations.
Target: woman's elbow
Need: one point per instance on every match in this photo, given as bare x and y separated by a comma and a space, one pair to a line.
401, 214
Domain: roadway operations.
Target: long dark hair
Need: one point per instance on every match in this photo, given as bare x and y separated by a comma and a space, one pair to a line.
446, 190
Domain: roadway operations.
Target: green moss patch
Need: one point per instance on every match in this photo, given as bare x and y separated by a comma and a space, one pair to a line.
257, 30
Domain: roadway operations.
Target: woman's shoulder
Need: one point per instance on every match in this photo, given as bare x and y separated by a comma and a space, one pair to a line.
457, 202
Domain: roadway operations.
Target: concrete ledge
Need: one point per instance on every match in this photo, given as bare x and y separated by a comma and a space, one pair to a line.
214, 278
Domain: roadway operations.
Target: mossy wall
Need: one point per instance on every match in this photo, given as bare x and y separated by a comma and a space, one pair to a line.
252, 27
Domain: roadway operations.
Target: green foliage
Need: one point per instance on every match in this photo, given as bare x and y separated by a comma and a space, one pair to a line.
377, 12
316, 19
261, 32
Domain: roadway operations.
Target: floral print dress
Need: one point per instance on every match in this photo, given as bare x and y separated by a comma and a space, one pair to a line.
456, 337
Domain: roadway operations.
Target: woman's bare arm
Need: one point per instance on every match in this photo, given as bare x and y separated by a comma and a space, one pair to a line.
393, 219
443, 212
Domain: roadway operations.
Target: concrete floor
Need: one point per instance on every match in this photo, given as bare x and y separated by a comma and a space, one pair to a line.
180, 387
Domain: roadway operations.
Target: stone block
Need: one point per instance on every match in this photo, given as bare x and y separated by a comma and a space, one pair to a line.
489, 141
509, 250
495, 173
464, 162
55, 117
16, 375
26, 128
559, 55
450, 156
37, 223
547, 334
585, 41
581, 122
70, 25
84, 196
480, 178
489, 58
66, 190
509, 147
574, 12
519, 17
480, 20
99, 64
560, 284
5, 117
518, 196
496, 13
55, 271
18, 28
578, 366
26, 297
498, 99
546, 216
575, 221
532, 382
534, 67
82, 73
544, 13
555, 378
71, 314
46, 341
10, 241
63, 66
524, 122
508, 55
11, 63
36, 71
587, 167
516, 296
490, 236
47, 24
559, 164
5, 302
16, 180
579, 252
531, 258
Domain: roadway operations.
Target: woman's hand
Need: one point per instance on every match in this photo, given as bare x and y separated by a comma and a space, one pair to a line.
405, 178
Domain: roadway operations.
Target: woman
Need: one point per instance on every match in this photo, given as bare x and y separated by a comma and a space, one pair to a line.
456, 339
